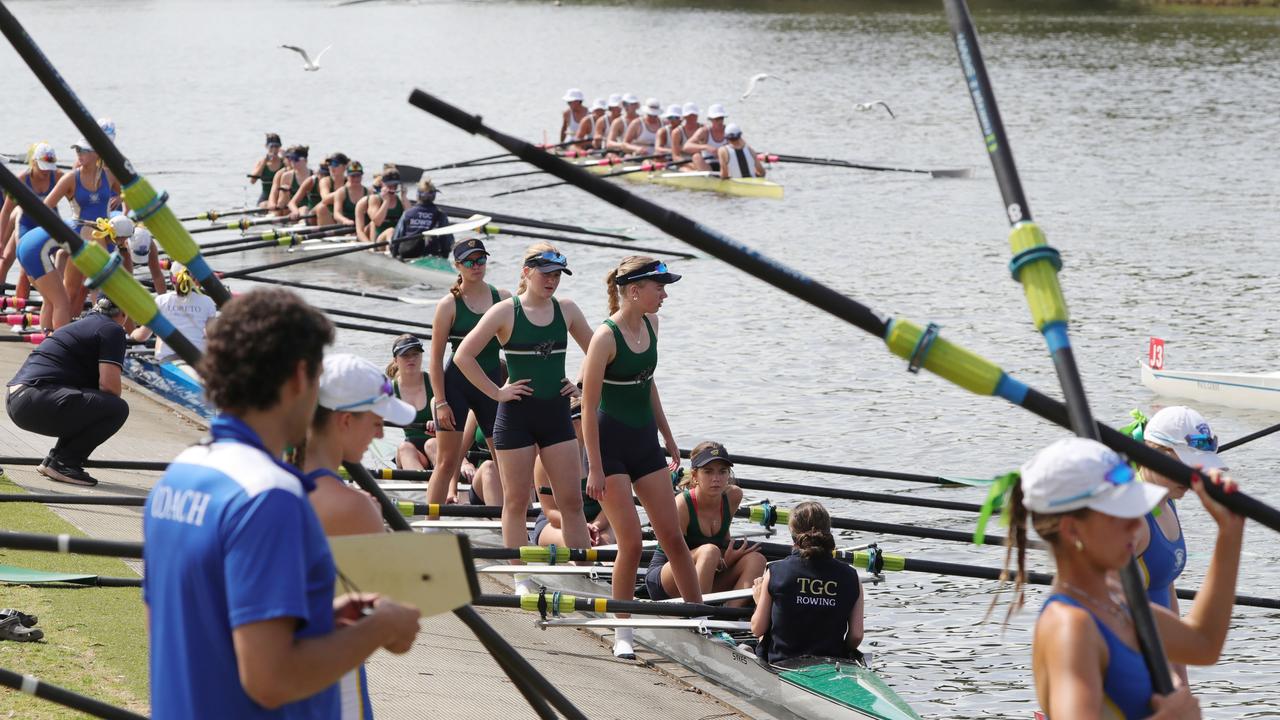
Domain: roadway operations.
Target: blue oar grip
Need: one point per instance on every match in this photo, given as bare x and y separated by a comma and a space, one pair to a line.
1055, 334
1010, 389
1033, 254
161, 326
199, 268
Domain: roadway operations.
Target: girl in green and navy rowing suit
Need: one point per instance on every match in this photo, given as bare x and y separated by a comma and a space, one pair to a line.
533, 406
286, 182
409, 383
264, 171
622, 418
457, 313
346, 197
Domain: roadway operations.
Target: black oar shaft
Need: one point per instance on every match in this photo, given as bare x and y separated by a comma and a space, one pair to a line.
376, 318
634, 607
305, 259
844, 494
455, 211
833, 469
323, 288
70, 544
1249, 438
67, 698
120, 500
109, 464
581, 241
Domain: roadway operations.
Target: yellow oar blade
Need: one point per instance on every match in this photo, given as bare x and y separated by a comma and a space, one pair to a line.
432, 572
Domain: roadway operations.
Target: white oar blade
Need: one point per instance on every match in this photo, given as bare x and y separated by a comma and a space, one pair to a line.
471, 223
432, 572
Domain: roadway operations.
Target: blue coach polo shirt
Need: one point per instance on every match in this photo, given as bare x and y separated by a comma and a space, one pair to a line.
231, 539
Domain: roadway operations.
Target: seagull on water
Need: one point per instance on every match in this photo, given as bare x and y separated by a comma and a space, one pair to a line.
871, 105
751, 84
307, 63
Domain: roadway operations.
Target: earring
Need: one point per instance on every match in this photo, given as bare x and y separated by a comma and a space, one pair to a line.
1079, 545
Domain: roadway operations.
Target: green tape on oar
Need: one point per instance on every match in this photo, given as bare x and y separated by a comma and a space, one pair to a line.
555, 602
172, 236
119, 285
944, 359
1036, 266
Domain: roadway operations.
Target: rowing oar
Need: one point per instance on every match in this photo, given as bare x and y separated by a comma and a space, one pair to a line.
465, 163
21, 159
853, 471
455, 211
307, 258
833, 162
1249, 438
245, 223
54, 693
100, 270
376, 330
376, 318
147, 204
118, 500
945, 359
213, 215
276, 234
643, 167
556, 603
340, 291
499, 230
532, 685
1035, 264
487, 178
105, 464
859, 495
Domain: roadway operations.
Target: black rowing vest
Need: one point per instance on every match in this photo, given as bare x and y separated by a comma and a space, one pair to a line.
812, 602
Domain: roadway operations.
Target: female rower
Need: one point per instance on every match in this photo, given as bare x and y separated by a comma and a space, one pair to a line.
643, 131
264, 171
308, 200
588, 129
364, 228
683, 133
44, 263
622, 419
533, 406
410, 384
351, 193
664, 142
573, 115
187, 308
1082, 499
386, 207
41, 176
614, 141
708, 499
90, 187
353, 404
808, 603
705, 144
457, 314
287, 181
547, 528
329, 185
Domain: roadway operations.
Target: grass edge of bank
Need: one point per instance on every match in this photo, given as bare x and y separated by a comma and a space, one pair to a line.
95, 638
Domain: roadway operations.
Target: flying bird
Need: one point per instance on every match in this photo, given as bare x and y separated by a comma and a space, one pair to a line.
871, 105
307, 63
751, 84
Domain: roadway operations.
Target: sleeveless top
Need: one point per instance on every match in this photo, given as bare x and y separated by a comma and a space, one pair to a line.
464, 321
1163, 561
680, 135
25, 223
536, 352
693, 535
92, 203
742, 162
349, 205
295, 185
266, 178
647, 137
393, 214
423, 415
313, 197
574, 124
712, 143
812, 602
624, 396
1126, 683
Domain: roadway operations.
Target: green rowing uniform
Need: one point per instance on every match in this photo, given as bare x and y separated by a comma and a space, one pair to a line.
464, 321
536, 352
349, 205
313, 197
267, 177
393, 215
413, 433
628, 379
693, 536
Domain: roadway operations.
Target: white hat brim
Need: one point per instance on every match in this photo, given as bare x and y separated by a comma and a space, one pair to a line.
1131, 500
394, 410
1199, 458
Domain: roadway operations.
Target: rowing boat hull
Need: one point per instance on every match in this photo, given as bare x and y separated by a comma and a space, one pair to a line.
174, 381
1237, 390
435, 271
702, 181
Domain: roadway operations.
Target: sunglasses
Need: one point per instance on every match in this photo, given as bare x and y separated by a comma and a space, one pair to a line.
1203, 441
1121, 474
388, 390
553, 257
470, 263
661, 269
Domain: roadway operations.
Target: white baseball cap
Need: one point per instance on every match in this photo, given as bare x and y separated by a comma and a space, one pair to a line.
352, 384
82, 144
1187, 433
599, 105
122, 226
44, 156
652, 107
690, 108
1075, 473
140, 246
630, 99
574, 94
615, 100
108, 126
716, 111
673, 111
732, 131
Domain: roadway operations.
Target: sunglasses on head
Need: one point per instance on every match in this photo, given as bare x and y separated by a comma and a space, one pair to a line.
552, 257
388, 390
1121, 474
660, 269
1203, 441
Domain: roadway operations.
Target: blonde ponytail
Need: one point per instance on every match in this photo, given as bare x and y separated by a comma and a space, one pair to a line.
611, 289
456, 289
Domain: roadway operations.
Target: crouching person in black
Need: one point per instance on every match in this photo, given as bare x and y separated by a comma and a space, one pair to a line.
69, 388
407, 241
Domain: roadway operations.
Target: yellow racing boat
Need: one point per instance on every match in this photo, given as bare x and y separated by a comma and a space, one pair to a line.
705, 181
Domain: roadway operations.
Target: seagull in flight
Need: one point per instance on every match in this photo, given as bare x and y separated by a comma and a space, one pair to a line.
871, 105
307, 63
751, 84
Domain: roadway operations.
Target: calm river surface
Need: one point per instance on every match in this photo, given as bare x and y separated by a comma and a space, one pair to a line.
1147, 146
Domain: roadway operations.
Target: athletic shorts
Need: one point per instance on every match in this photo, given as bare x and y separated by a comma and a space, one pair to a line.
532, 421
653, 577
463, 397
630, 451
36, 251
538, 526
472, 497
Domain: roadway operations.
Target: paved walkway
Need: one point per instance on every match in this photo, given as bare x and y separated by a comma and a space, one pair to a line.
447, 674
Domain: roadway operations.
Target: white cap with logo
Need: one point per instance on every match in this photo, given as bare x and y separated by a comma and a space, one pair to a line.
690, 108
1187, 433
122, 226
732, 131
574, 94
350, 383
716, 111
1075, 473
44, 156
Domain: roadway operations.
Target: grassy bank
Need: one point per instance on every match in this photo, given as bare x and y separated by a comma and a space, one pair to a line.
95, 638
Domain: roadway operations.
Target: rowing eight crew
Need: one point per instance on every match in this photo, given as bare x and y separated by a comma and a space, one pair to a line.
618, 128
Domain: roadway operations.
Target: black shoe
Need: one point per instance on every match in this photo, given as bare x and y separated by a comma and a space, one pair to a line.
58, 471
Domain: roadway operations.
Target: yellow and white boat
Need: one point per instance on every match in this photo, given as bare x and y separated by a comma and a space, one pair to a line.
705, 181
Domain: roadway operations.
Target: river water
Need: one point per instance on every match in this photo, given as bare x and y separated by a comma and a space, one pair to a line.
1146, 144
